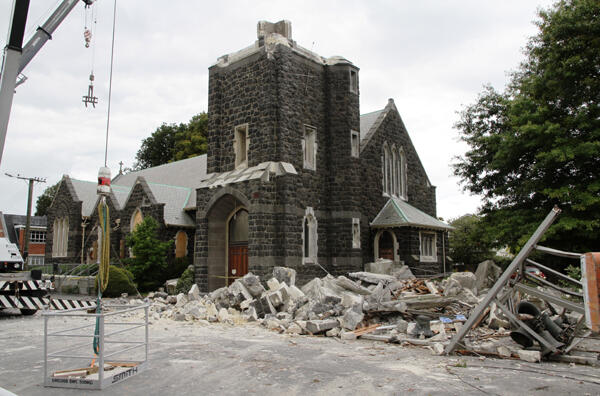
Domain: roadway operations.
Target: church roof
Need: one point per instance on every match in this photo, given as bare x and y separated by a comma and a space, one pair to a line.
399, 213
184, 173
175, 199
367, 121
86, 192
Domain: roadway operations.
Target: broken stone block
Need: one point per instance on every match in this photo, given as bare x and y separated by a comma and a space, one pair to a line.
273, 284
250, 315
333, 332
380, 266
172, 300
529, 356
238, 289
437, 349
402, 326
253, 285
347, 336
403, 272
380, 294
196, 313
295, 293
294, 328
486, 275
181, 300
283, 316
347, 284
179, 317
370, 277
495, 319
465, 279
272, 324
318, 326
266, 305
503, 351
349, 300
194, 293
223, 315
312, 288
351, 319
160, 294
275, 299
284, 274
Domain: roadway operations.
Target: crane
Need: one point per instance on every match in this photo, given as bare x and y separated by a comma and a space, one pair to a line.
17, 57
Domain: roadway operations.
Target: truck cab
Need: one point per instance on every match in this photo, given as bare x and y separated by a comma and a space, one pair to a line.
10, 257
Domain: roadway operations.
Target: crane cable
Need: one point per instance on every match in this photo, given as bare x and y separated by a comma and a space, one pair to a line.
103, 211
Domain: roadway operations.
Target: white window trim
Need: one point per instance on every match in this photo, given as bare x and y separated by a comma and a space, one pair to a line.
353, 76
312, 236
354, 151
423, 258
60, 237
355, 237
307, 164
239, 164
403, 174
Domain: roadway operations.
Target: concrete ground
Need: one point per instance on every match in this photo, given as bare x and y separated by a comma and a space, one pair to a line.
191, 358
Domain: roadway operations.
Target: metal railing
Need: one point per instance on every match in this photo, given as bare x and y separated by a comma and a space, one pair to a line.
109, 345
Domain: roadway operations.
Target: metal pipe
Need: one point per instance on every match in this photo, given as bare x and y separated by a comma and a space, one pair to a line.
544, 282
101, 351
559, 253
553, 272
45, 350
123, 350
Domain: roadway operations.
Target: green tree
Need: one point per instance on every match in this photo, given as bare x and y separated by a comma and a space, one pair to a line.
45, 200
149, 264
537, 144
173, 142
469, 242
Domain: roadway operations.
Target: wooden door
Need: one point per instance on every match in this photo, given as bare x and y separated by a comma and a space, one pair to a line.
238, 262
386, 246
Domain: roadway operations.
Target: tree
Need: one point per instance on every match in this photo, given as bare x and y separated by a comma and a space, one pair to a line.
469, 242
173, 142
537, 144
45, 200
149, 262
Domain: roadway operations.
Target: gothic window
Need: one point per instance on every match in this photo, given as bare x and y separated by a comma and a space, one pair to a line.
402, 175
428, 246
387, 179
355, 233
394, 172
354, 144
136, 219
60, 240
240, 146
181, 241
309, 237
309, 147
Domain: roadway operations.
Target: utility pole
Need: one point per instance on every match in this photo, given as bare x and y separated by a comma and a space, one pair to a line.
30, 180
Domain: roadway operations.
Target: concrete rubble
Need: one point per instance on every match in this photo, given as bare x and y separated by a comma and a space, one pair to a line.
391, 307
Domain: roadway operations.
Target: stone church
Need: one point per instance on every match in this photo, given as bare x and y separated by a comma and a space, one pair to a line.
294, 176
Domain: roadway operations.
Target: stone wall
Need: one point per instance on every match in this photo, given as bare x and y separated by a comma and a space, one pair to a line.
65, 205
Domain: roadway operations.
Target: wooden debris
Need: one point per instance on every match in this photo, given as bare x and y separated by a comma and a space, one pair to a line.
365, 330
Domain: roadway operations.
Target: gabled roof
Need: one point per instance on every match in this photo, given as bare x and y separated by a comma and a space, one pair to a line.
367, 121
398, 213
185, 173
87, 194
175, 199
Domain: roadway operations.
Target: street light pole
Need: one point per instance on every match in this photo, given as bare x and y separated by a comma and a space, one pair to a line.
30, 180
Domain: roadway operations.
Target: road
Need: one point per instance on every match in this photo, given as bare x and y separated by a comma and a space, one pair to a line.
193, 358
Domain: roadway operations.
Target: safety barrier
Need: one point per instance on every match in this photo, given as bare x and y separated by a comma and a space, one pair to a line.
111, 330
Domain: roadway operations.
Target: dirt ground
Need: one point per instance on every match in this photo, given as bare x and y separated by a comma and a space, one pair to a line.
192, 358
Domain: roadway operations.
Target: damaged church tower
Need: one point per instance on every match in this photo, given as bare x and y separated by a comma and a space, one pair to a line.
291, 180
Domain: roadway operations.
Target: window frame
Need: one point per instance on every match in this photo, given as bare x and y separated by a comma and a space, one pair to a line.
355, 235
238, 132
423, 257
354, 148
309, 159
310, 241
353, 83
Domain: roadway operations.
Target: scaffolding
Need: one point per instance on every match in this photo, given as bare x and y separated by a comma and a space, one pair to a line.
115, 338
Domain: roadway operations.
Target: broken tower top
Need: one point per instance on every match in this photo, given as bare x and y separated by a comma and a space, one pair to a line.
265, 28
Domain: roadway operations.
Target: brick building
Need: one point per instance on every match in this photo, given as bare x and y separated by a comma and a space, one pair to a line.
13, 227
294, 176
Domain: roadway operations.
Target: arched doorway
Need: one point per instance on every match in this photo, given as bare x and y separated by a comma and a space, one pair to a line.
237, 245
227, 214
386, 245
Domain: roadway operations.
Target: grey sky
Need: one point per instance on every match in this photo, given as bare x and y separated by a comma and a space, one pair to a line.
431, 57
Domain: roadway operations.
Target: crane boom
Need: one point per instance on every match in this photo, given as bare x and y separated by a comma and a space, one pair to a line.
17, 57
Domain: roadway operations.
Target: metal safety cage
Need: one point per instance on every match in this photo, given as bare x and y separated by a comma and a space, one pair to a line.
111, 345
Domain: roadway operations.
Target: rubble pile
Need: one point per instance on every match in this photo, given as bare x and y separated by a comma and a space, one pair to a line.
397, 308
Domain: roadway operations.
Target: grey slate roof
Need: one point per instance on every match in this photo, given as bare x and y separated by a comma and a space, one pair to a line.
398, 213
185, 173
175, 199
86, 192
367, 121
120, 193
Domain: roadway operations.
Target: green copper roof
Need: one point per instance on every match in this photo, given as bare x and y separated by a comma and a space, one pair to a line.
398, 213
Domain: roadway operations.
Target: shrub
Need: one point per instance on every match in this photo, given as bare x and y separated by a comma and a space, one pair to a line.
186, 280
119, 281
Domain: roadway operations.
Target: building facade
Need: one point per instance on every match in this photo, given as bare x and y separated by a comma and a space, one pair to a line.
294, 176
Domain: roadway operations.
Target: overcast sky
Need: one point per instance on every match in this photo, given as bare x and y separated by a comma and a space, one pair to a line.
431, 57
